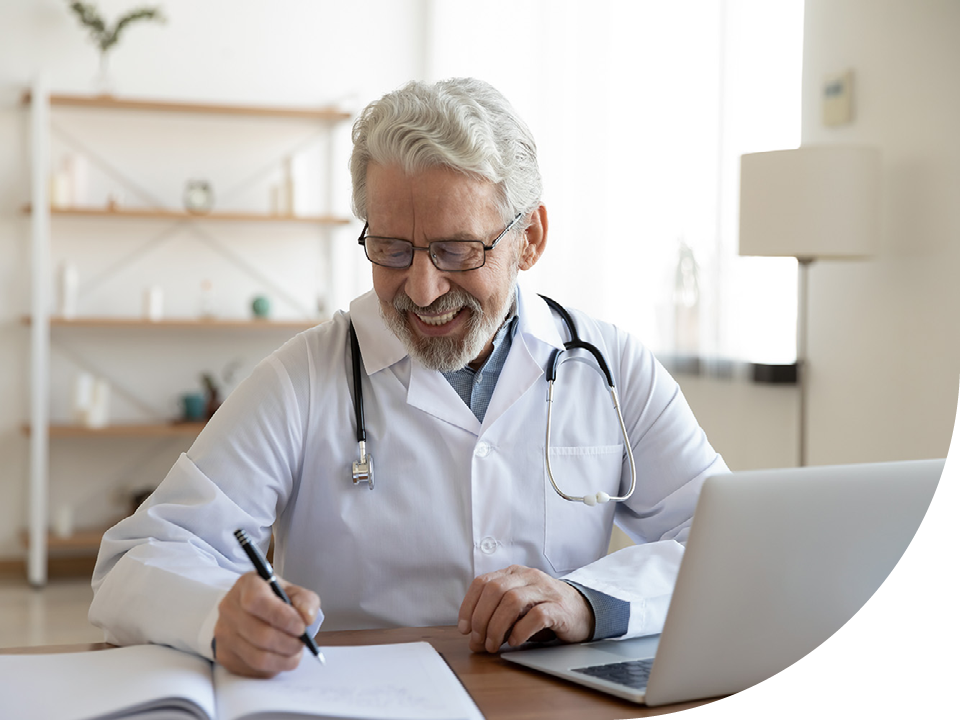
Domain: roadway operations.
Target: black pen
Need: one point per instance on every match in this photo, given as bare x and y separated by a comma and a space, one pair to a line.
266, 572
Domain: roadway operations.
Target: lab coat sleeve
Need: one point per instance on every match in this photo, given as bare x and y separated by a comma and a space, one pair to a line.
162, 572
673, 458
643, 576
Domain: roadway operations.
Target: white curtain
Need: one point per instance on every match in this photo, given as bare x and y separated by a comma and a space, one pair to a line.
641, 110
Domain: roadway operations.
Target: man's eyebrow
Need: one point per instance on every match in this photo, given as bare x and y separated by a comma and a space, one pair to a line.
462, 235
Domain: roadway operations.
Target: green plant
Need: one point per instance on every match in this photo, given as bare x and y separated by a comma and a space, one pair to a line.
105, 37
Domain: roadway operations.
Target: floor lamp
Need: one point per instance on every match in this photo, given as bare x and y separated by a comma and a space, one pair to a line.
812, 203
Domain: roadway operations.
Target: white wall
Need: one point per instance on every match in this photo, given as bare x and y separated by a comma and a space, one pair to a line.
884, 350
884, 334
280, 52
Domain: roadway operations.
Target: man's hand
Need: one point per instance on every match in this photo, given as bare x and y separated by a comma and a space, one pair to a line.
517, 603
257, 634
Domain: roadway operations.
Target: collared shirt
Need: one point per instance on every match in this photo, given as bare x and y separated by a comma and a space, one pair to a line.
475, 387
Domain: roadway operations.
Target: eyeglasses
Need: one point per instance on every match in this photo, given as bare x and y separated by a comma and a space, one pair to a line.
446, 255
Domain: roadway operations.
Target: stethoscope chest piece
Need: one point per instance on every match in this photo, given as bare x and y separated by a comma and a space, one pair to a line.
363, 468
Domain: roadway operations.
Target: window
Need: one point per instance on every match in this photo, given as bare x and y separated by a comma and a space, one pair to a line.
641, 111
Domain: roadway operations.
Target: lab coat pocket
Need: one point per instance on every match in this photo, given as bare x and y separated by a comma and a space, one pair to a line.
576, 534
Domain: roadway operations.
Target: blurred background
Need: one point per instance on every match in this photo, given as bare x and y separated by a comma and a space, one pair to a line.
188, 238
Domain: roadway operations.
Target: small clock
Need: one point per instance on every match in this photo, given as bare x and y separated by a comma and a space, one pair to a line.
198, 196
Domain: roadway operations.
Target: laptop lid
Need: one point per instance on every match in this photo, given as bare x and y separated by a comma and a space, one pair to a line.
776, 562
819, 579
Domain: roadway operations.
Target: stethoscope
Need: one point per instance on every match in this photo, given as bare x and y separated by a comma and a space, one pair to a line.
362, 471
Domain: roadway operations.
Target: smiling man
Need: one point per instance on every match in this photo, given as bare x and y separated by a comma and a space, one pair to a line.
487, 509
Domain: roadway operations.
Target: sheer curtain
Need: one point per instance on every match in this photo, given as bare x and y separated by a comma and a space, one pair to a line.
641, 111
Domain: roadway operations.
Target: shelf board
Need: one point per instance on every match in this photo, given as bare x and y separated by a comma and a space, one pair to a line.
110, 102
120, 213
178, 323
81, 539
157, 429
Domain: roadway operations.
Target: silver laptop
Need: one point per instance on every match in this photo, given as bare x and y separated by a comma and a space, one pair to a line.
777, 561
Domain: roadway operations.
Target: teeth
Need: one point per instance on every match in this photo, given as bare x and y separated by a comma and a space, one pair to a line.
439, 319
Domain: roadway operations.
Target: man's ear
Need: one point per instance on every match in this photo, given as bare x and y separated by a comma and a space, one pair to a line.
534, 241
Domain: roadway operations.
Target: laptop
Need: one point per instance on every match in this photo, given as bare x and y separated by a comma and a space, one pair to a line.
776, 562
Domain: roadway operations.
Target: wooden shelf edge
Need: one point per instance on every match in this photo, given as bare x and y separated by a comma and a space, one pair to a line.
178, 323
158, 429
111, 102
81, 539
183, 215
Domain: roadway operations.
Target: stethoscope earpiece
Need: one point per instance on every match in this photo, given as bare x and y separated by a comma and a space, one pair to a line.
599, 499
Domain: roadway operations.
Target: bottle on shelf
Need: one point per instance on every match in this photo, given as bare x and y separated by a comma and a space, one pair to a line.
282, 193
153, 303
69, 289
207, 309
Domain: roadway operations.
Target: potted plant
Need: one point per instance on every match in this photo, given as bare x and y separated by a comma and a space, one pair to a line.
107, 37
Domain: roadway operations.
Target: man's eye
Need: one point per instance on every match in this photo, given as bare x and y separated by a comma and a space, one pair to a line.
457, 253
392, 249
452, 250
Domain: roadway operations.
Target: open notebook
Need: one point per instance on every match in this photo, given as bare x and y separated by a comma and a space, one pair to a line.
382, 682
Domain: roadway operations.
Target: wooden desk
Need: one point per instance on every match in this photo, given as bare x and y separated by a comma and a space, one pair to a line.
501, 690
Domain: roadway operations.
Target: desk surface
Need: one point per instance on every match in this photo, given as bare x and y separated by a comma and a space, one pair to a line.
501, 690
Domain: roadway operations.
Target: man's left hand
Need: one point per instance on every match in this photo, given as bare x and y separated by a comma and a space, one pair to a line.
515, 604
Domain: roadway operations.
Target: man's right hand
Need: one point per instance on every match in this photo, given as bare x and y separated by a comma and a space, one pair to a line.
257, 634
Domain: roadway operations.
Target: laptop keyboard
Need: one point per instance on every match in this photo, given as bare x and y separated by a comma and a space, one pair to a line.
632, 673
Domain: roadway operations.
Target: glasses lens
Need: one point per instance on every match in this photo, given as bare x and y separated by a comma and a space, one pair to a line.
388, 252
457, 254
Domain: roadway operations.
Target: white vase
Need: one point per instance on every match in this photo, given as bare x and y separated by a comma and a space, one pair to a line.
103, 82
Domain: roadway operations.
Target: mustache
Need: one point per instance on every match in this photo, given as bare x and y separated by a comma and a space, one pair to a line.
452, 300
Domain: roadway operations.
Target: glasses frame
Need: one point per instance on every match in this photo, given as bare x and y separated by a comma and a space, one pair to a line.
362, 240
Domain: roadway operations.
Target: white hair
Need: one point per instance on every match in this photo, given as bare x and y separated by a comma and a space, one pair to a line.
463, 124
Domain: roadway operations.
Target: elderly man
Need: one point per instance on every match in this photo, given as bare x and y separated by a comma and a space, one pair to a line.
467, 518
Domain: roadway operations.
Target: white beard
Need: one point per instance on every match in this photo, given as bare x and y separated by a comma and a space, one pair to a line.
449, 354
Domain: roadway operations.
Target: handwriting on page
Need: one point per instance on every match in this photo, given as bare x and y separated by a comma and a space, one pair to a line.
386, 696
407, 681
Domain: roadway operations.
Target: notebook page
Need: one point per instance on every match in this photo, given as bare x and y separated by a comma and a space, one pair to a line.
404, 681
105, 684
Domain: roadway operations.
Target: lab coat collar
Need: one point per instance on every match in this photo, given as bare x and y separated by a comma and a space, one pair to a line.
537, 321
537, 335
379, 347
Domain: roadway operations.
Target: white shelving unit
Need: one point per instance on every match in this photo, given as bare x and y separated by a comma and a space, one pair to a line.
42, 323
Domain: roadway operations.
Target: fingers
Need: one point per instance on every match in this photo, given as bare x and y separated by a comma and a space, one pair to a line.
515, 604
518, 608
504, 597
244, 658
306, 602
257, 634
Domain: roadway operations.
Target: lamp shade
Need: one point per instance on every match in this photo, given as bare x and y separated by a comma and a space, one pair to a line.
812, 202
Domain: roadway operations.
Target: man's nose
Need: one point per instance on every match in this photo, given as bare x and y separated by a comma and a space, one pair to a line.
425, 283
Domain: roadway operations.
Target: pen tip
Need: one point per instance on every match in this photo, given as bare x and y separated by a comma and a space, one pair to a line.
321, 658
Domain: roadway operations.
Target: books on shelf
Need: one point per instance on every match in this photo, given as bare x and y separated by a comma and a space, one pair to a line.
403, 681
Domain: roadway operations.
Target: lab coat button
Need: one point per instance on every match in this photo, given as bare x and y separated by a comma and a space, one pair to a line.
488, 545
482, 450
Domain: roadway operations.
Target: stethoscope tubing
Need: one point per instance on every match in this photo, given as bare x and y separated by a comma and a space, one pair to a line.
599, 497
363, 469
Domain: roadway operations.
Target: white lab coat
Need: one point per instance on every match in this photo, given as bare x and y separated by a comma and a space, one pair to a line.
454, 498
